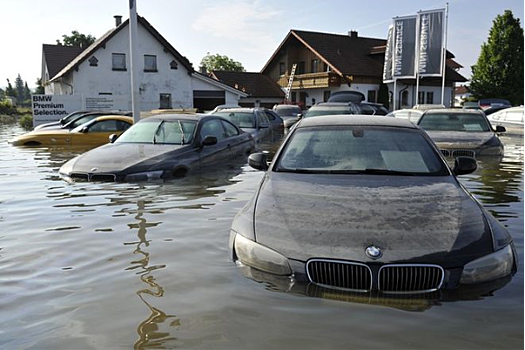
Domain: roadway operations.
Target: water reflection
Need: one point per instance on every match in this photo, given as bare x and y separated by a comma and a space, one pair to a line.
148, 330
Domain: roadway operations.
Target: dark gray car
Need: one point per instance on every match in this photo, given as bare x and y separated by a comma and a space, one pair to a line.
367, 204
291, 114
462, 132
163, 146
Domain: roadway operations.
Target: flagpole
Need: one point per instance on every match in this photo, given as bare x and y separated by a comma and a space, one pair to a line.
394, 95
444, 67
135, 102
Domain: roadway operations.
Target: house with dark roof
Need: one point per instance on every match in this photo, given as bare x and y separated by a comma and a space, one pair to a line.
262, 91
166, 78
327, 62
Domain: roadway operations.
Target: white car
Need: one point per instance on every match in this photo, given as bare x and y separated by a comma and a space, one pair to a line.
510, 118
411, 115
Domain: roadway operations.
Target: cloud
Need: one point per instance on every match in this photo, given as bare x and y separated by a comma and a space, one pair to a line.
245, 22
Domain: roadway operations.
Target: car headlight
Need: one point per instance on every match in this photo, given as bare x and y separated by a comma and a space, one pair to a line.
256, 255
489, 267
492, 142
144, 176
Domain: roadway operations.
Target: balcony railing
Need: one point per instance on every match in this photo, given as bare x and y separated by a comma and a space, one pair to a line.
311, 80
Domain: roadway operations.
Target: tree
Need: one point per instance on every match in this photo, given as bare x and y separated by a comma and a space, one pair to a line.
9, 91
2, 94
27, 92
498, 72
19, 88
218, 62
39, 88
77, 39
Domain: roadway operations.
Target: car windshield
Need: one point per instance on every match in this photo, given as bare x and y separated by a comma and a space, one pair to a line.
467, 122
244, 120
81, 120
174, 132
325, 110
360, 150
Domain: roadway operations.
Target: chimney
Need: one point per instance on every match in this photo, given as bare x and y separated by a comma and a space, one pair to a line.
352, 34
118, 20
203, 70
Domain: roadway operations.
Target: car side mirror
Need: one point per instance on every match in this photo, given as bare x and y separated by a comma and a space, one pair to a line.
258, 161
113, 138
209, 141
500, 128
62, 122
300, 115
84, 129
464, 165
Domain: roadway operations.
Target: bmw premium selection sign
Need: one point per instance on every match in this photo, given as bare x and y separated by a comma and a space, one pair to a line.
404, 47
431, 37
50, 108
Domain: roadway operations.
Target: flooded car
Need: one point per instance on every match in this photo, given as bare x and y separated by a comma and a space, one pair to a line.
92, 133
162, 146
368, 205
462, 132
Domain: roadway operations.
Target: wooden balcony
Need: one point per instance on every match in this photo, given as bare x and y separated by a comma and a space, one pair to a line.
311, 80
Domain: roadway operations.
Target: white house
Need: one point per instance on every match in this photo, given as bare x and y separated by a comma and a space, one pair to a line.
167, 79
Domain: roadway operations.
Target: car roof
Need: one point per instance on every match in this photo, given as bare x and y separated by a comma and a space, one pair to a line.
175, 116
454, 110
332, 104
114, 117
355, 119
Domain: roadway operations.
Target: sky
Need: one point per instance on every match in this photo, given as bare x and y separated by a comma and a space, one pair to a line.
248, 31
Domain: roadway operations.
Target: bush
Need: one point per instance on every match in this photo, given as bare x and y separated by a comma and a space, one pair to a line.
26, 121
6, 108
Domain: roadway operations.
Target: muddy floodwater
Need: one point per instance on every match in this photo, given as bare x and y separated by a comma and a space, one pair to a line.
146, 265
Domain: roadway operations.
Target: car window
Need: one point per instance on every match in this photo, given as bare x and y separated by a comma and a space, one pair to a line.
287, 110
514, 116
231, 130
213, 128
263, 121
365, 109
270, 116
328, 110
466, 122
348, 149
241, 119
104, 126
82, 120
159, 131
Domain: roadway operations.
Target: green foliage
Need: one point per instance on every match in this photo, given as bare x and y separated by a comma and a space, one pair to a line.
2, 94
498, 72
76, 39
218, 62
26, 121
19, 88
7, 109
39, 88
9, 91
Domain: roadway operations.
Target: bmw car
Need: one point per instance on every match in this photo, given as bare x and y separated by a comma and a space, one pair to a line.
462, 132
160, 147
368, 205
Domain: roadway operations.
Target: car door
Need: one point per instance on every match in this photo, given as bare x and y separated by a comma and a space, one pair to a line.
98, 133
238, 144
219, 152
277, 125
264, 132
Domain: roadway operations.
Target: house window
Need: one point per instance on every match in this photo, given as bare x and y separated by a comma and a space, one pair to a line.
326, 95
421, 97
174, 65
150, 63
430, 98
326, 68
165, 101
93, 61
371, 96
404, 98
119, 61
282, 69
300, 68
314, 66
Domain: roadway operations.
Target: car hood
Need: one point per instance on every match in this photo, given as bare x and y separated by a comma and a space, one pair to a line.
411, 219
460, 138
118, 157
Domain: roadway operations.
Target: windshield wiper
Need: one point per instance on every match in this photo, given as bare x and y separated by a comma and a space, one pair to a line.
384, 172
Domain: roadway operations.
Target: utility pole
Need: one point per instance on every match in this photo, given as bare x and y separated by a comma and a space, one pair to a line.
133, 62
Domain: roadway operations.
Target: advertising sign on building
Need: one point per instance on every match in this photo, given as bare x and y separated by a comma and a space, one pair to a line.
404, 47
387, 68
430, 49
50, 108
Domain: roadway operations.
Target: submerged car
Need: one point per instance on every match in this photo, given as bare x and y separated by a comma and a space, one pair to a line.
74, 120
262, 124
162, 146
510, 118
412, 115
291, 114
332, 108
368, 204
462, 132
57, 124
92, 133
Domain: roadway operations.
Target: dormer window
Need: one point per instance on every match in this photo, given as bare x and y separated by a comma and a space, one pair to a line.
174, 65
93, 61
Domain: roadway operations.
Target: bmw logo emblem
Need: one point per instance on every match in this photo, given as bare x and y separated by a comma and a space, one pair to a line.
373, 252
94, 170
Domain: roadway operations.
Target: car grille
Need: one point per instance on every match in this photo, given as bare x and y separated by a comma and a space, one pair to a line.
340, 274
103, 177
79, 176
454, 153
410, 278
393, 278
